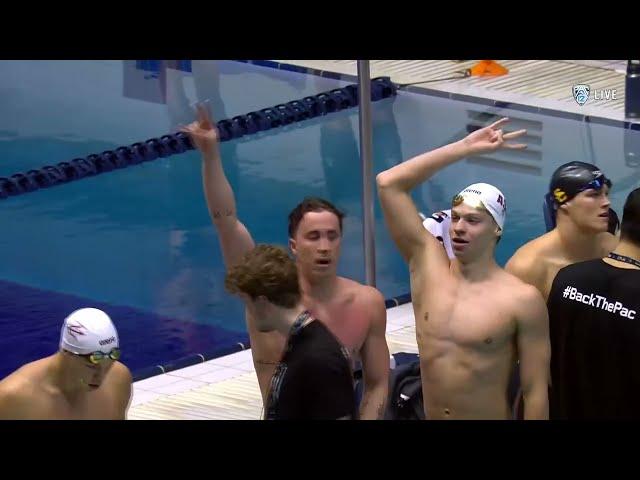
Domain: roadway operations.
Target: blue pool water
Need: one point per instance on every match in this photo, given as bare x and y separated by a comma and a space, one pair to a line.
138, 242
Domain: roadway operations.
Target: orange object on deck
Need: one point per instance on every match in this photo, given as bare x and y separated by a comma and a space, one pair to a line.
488, 67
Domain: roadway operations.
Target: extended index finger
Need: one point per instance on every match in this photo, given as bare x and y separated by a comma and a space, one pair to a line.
203, 115
499, 123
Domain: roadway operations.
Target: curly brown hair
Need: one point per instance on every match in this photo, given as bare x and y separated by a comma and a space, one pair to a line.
266, 270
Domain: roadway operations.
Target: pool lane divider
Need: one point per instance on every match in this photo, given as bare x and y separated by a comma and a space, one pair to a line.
176, 143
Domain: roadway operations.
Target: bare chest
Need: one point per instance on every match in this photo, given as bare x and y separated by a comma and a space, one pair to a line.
478, 320
347, 319
95, 406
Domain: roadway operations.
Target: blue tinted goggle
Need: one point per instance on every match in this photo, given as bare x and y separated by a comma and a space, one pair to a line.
596, 184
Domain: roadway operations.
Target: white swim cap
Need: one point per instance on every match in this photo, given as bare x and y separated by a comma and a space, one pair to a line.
483, 195
88, 330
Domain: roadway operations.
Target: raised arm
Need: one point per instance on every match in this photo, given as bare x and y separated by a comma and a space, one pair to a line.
395, 184
394, 189
235, 240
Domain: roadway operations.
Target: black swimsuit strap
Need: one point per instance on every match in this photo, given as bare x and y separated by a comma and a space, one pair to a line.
299, 323
276, 379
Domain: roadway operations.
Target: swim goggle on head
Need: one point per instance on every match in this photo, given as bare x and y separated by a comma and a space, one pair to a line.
596, 184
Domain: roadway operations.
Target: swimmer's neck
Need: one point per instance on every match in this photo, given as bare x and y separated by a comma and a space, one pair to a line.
57, 376
580, 245
476, 270
286, 317
320, 289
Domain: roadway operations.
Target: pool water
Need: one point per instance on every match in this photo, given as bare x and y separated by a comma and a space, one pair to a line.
138, 242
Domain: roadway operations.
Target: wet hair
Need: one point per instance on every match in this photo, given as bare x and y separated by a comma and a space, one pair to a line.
311, 204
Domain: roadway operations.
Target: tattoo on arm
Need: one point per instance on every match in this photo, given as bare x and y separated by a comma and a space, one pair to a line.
266, 362
227, 213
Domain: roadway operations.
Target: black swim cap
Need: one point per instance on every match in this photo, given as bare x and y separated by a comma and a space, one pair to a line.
572, 178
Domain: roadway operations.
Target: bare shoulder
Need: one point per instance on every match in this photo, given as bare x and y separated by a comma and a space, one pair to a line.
120, 375
120, 383
372, 295
525, 298
17, 392
14, 385
360, 292
348, 285
366, 299
529, 263
532, 249
528, 294
25, 379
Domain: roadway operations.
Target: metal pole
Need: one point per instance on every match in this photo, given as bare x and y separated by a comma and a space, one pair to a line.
366, 150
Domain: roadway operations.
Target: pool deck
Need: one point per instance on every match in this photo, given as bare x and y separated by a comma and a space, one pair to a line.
540, 84
227, 388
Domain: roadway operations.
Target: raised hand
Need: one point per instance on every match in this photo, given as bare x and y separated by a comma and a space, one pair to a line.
203, 132
492, 138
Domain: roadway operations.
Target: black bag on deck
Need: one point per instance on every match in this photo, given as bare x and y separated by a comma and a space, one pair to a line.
405, 393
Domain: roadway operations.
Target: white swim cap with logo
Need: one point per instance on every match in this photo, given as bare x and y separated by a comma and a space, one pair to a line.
483, 195
88, 330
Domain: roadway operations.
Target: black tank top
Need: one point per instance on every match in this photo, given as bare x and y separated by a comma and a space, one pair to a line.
594, 321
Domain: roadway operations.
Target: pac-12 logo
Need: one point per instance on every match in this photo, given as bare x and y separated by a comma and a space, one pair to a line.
581, 93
